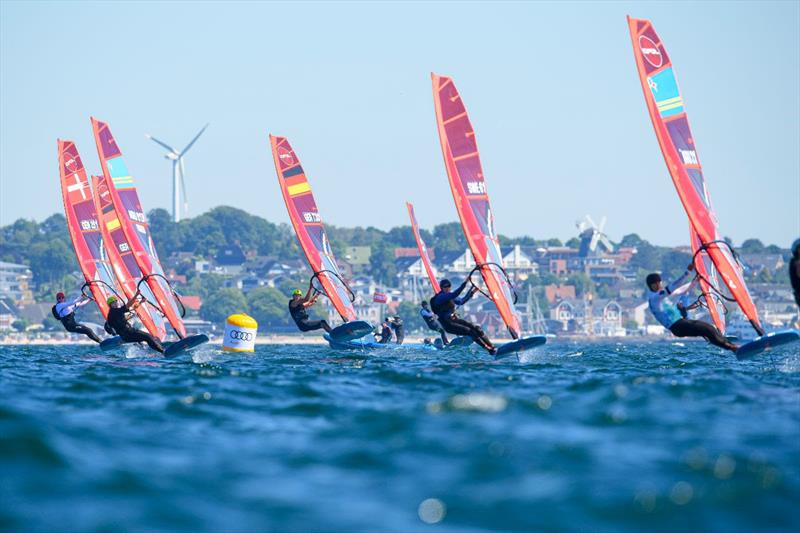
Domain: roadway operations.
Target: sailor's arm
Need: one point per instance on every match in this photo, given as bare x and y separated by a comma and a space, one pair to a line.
678, 282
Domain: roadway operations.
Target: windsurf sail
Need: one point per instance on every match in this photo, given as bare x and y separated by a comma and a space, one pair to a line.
309, 229
708, 278
121, 257
134, 225
467, 183
668, 114
423, 250
84, 228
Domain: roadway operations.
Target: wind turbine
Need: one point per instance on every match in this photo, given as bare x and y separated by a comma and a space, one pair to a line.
178, 184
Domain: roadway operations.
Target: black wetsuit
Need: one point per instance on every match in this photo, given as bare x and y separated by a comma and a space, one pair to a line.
118, 321
685, 327
444, 305
794, 278
399, 329
68, 320
300, 317
386, 334
70, 325
432, 323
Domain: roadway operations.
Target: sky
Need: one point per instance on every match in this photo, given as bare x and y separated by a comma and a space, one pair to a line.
551, 89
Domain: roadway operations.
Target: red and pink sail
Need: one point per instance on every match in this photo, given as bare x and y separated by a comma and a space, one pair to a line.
121, 257
84, 227
308, 226
667, 112
134, 223
463, 164
423, 250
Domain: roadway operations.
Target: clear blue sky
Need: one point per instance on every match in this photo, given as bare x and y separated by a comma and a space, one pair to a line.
551, 88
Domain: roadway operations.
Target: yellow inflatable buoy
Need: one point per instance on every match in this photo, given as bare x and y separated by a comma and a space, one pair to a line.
240, 333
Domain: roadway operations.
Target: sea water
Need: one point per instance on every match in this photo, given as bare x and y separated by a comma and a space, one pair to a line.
596, 436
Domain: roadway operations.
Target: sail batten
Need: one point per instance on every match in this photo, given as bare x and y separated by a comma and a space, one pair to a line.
667, 111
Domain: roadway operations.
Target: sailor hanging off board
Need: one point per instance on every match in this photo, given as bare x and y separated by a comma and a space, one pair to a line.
297, 309
398, 328
430, 320
64, 312
118, 322
673, 317
444, 303
384, 334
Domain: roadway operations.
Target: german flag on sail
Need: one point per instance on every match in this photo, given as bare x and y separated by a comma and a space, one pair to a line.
665, 92
296, 182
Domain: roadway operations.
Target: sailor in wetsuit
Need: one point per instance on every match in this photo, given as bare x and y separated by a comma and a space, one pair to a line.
297, 308
430, 320
444, 305
399, 330
118, 322
64, 311
794, 271
384, 336
669, 316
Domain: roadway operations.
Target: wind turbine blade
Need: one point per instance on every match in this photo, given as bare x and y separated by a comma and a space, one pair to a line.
183, 185
591, 222
607, 243
602, 223
194, 140
160, 143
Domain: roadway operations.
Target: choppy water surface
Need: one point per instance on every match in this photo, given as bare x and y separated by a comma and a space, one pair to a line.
575, 437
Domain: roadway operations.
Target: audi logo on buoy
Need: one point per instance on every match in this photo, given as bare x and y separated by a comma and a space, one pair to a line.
241, 335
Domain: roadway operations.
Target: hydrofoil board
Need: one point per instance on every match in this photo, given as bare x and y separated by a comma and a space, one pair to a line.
519, 345
767, 342
350, 331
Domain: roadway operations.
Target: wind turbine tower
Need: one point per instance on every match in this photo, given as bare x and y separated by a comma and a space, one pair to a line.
178, 183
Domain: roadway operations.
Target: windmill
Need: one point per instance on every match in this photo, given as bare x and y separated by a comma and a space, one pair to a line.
591, 235
178, 184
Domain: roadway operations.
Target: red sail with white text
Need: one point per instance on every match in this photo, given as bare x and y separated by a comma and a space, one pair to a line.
134, 223
308, 226
423, 250
463, 164
121, 257
667, 112
83, 226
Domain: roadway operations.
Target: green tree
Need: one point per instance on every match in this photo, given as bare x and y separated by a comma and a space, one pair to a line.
631, 240
166, 234
448, 238
574, 243
381, 263
752, 246
221, 304
268, 306
409, 312
19, 325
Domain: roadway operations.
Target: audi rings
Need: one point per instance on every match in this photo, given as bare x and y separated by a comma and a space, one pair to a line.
241, 335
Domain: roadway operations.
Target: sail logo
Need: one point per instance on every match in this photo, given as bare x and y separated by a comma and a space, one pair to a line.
89, 225
123, 247
137, 216
689, 157
650, 51
71, 165
476, 187
312, 217
286, 157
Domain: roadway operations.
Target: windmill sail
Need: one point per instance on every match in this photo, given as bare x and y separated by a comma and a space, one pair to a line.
134, 223
83, 225
467, 183
423, 250
308, 226
666, 107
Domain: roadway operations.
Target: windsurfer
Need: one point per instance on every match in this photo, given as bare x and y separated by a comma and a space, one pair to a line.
384, 334
430, 320
794, 271
670, 316
297, 309
444, 305
398, 328
64, 312
118, 322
